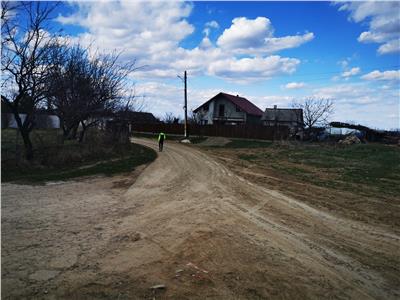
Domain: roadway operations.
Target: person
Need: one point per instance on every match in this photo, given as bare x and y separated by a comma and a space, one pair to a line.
161, 138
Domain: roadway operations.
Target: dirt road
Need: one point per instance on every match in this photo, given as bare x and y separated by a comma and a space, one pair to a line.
192, 225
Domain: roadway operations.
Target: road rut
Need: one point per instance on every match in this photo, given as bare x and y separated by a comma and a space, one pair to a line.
190, 223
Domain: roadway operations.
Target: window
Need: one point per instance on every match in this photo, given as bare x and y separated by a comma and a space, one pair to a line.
221, 110
205, 107
238, 109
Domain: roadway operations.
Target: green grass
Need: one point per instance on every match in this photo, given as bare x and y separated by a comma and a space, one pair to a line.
247, 144
248, 157
365, 163
197, 139
149, 135
362, 167
172, 137
54, 161
135, 156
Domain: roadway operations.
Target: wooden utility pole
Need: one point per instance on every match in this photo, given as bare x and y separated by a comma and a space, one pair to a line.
185, 106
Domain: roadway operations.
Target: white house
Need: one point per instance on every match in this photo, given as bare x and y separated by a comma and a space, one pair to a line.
228, 109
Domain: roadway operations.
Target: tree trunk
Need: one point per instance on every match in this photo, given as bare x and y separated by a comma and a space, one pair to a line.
28, 144
82, 133
25, 131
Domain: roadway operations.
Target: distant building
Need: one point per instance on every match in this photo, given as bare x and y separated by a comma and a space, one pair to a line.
137, 117
291, 117
127, 118
43, 118
228, 109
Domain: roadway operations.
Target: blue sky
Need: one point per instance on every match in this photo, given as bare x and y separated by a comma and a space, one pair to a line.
270, 52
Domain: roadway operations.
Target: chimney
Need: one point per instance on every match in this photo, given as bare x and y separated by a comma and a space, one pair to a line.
275, 106
237, 95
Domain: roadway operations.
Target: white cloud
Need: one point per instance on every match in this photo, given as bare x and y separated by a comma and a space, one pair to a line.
389, 47
385, 75
212, 24
252, 69
383, 20
363, 103
209, 26
351, 72
170, 99
294, 85
255, 36
245, 33
149, 32
153, 34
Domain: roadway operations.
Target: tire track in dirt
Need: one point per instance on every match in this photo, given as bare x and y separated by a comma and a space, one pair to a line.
299, 239
187, 212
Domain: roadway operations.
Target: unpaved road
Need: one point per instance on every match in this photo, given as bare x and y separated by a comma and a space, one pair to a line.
189, 223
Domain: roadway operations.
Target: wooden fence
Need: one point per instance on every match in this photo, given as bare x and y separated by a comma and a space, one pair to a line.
247, 131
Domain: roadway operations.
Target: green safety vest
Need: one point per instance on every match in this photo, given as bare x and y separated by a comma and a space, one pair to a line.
159, 136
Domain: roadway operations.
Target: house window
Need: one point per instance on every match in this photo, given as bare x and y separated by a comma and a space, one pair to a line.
205, 107
221, 110
238, 109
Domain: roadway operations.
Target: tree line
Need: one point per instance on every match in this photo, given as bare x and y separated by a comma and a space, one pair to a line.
43, 70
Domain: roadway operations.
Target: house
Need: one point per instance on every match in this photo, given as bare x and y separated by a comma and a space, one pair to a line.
44, 119
228, 109
137, 117
291, 117
126, 118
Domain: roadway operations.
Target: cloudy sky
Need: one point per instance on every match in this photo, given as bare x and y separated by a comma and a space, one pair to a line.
268, 52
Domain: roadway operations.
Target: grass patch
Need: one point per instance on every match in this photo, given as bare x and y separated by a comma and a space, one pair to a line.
364, 163
248, 157
150, 135
247, 144
172, 137
134, 156
197, 139
365, 168
61, 161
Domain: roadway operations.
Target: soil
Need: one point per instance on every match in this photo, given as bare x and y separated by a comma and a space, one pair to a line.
187, 227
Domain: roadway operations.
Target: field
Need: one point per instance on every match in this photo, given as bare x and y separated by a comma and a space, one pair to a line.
239, 220
354, 180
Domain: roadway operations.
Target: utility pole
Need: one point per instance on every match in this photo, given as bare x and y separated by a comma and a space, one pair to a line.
185, 107
184, 79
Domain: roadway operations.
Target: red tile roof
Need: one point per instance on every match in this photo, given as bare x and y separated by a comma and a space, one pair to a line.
241, 102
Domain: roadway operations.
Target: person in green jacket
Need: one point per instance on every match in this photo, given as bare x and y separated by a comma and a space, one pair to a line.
161, 138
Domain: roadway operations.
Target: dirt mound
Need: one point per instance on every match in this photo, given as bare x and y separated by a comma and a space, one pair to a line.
215, 141
350, 140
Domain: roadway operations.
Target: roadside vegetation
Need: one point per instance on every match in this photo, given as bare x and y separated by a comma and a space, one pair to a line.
376, 166
56, 162
171, 137
355, 180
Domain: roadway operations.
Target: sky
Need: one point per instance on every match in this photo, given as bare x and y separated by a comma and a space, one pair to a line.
272, 53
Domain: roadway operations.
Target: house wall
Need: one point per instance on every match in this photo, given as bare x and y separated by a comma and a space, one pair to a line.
210, 112
230, 109
42, 121
207, 115
291, 124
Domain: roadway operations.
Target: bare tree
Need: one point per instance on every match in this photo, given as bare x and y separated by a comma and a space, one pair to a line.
131, 103
196, 118
170, 118
26, 45
84, 89
316, 111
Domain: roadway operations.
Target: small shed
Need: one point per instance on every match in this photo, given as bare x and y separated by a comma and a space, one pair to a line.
291, 117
